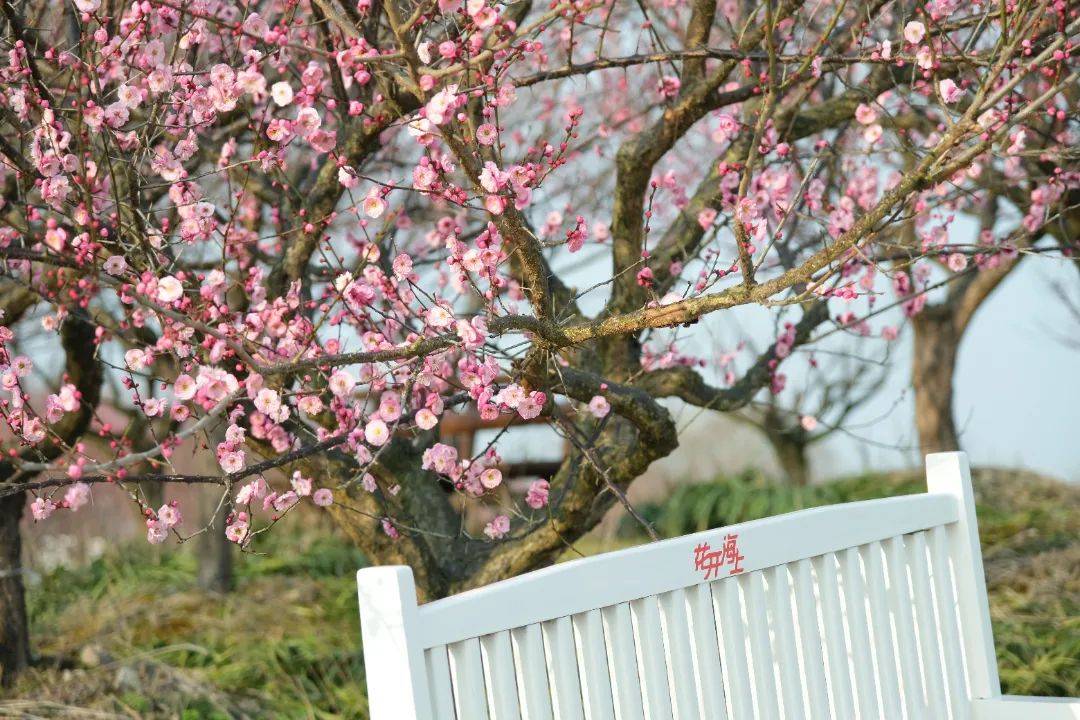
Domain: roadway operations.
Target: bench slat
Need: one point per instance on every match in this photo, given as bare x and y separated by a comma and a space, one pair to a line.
577, 586
929, 636
786, 649
563, 672
467, 671
945, 593
706, 653
500, 676
439, 681
680, 658
862, 656
901, 601
652, 665
881, 624
532, 675
764, 668
622, 660
810, 641
733, 636
832, 618
593, 666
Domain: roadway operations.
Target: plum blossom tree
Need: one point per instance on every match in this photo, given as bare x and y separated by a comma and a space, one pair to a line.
939, 325
299, 232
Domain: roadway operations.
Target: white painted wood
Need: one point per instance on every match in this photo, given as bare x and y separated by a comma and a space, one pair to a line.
1014, 707
929, 638
440, 683
393, 654
622, 662
785, 649
682, 682
573, 587
467, 671
532, 677
832, 616
652, 665
945, 595
948, 475
813, 661
865, 610
862, 655
881, 626
500, 677
706, 652
562, 670
900, 601
735, 659
593, 666
764, 670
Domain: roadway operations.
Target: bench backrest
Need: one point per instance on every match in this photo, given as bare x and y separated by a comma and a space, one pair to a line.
861, 610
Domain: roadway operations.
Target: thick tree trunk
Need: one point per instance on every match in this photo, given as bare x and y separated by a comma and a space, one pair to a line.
14, 630
216, 556
793, 460
934, 361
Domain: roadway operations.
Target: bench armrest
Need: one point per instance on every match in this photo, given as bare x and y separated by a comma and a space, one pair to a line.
1016, 707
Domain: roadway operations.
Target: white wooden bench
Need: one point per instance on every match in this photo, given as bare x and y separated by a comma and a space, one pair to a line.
871, 609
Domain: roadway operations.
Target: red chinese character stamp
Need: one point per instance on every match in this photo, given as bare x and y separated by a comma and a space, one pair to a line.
711, 561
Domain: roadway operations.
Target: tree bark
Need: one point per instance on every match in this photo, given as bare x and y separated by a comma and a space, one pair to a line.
793, 459
14, 628
937, 340
216, 554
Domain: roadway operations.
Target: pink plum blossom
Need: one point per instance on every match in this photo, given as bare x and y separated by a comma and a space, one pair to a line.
374, 204
169, 289
486, 134
77, 496
115, 265
342, 383
156, 532
914, 32
232, 461
537, 496
426, 419
376, 433
950, 92
237, 531
282, 93
599, 406
497, 528
491, 478
169, 515
42, 508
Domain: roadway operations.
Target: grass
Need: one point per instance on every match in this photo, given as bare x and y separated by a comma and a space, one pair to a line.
286, 643
128, 636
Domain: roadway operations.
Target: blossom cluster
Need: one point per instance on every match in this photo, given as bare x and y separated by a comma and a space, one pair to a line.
292, 227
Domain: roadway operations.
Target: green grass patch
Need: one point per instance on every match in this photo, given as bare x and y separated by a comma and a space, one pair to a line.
286, 643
